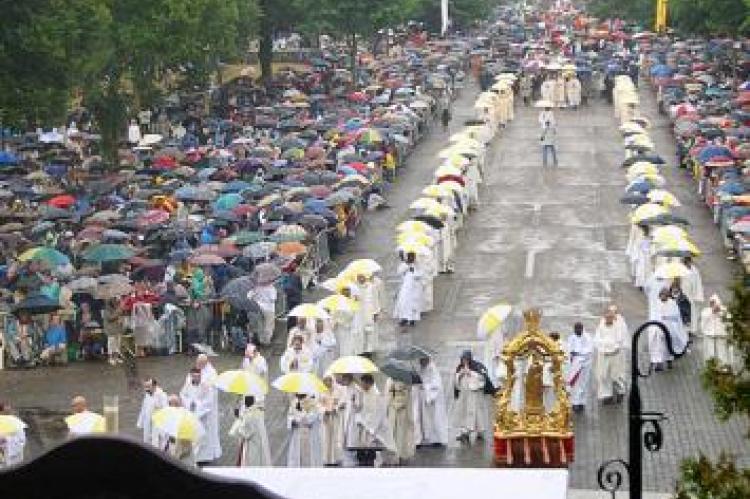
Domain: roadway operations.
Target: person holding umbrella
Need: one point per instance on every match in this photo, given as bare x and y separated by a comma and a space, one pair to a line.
55, 342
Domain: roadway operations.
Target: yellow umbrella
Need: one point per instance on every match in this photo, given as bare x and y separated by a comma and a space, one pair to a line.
365, 266
336, 284
309, 311
295, 382
663, 197
468, 141
413, 247
336, 303
680, 247
437, 191
423, 204
632, 127
492, 319
352, 364
671, 270
668, 233
413, 226
456, 160
10, 424
642, 168
86, 422
446, 170
422, 239
241, 382
453, 185
440, 210
178, 423
647, 211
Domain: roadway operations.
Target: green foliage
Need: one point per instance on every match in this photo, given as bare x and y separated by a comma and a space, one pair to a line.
702, 479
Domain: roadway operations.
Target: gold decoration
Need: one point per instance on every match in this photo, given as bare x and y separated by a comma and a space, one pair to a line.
534, 348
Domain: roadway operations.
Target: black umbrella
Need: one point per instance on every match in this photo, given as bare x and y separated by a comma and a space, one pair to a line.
634, 199
649, 158
433, 222
412, 352
400, 371
666, 219
36, 305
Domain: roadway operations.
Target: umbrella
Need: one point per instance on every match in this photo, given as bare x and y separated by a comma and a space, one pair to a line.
335, 303
45, 254
492, 319
365, 266
711, 152
63, 201
82, 284
10, 424
36, 305
671, 270
108, 253
291, 248
647, 211
309, 311
235, 292
679, 248
662, 197
207, 259
649, 158
259, 250
352, 364
153, 217
434, 222
400, 371
413, 226
178, 423
83, 423
412, 352
742, 225
295, 382
241, 382
246, 237
265, 273
112, 290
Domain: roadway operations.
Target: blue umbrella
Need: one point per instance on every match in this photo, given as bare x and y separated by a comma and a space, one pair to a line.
236, 186
661, 71
733, 188
227, 201
710, 152
641, 186
8, 158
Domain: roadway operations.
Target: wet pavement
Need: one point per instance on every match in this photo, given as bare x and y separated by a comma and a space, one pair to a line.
548, 238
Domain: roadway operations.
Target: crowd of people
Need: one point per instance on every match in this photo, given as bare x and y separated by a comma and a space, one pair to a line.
229, 243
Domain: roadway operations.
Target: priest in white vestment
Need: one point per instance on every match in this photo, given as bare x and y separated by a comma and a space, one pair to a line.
430, 418
331, 423
401, 419
470, 416
369, 426
303, 421
197, 398
665, 310
154, 398
580, 350
408, 307
208, 377
610, 341
715, 334
254, 362
692, 286
297, 357
249, 428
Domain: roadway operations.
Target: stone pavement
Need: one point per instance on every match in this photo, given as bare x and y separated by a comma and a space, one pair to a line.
552, 238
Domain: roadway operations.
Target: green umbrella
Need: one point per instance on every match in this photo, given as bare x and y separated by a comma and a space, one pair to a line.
246, 237
228, 201
108, 253
44, 254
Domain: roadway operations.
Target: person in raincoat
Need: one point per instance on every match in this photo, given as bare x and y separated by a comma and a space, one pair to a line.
249, 428
409, 300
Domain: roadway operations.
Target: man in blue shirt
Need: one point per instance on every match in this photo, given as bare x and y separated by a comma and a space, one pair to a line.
55, 341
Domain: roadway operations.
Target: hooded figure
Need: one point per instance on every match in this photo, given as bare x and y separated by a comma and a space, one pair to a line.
470, 385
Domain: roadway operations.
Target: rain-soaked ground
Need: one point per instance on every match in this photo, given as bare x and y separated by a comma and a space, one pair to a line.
547, 238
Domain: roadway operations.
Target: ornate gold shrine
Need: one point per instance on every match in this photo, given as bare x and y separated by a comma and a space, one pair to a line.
533, 435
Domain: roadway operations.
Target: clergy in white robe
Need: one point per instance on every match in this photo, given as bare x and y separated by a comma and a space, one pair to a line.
546, 116
265, 297
408, 307
692, 286
154, 398
303, 327
342, 330
331, 423
642, 263
400, 414
369, 426
208, 377
610, 341
196, 397
324, 346
548, 90
715, 334
428, 270
297, 358
249, 428
560, 92
370, 307
430, 418
254, 362
580, 350
11, 445
470, 416
303, 421
349, 404
665, 310
357, 335
573, 92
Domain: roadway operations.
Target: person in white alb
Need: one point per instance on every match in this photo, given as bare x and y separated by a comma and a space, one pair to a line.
154, 398
715, 334
580, 349
610, 341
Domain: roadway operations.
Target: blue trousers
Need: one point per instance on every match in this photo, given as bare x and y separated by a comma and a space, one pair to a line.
549, 149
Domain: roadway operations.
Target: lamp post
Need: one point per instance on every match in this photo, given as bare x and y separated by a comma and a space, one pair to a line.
610, 474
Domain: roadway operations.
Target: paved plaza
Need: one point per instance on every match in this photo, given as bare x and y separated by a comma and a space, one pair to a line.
548, 238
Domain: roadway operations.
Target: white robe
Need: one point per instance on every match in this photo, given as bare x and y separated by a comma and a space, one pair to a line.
265, 297
250, 430
548, 90
370, 305
401, 418
642, 263
343, 331
428, 270
669, 314
331, 426
580, 366
208, 376
430, 419
197, 399
359, 322
369, 426
469, 409
349, 403
409, 299
692, 287
493, 349
303, 421
611, 349
258, 366
151, 404
324, 349
11, 451
573, 92
297, 361
716, 338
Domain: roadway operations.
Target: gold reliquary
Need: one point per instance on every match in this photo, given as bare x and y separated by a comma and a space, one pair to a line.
533, 426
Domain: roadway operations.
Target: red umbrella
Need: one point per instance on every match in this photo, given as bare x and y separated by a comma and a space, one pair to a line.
153, 217
63, 201
166, 163
452, 178
223, 250
360, 167
242, 210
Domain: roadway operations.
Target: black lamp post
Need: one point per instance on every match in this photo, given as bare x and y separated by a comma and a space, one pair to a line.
610, 475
